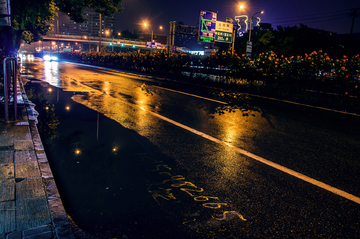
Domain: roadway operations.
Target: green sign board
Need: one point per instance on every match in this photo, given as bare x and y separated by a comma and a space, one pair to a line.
223, 37
206, 39
224, 31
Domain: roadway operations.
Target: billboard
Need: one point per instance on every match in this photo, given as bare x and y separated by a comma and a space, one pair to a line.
154, 45
207, 26
223, 32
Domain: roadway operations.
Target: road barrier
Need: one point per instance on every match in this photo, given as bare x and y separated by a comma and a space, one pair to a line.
9, 66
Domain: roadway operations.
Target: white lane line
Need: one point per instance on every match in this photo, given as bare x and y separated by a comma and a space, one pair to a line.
265, 97
310, 106
262, 160
180, 92
184, 93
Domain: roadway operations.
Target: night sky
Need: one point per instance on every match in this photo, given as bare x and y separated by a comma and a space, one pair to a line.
327, 15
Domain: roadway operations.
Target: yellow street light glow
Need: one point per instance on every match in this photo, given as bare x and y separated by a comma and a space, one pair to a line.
161, 27
241, 6
114, 149
77, 151
145, 24
46, 107
50, 90
67, 108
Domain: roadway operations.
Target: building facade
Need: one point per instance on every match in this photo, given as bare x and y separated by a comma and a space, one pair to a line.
89, 28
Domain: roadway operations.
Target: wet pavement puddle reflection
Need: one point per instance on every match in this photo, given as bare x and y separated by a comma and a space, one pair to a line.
111, 185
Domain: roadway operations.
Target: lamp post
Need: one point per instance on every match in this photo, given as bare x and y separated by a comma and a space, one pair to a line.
112, 39
249, 44
152, 32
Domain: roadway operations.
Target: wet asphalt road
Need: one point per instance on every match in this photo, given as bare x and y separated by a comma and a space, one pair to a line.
160, 159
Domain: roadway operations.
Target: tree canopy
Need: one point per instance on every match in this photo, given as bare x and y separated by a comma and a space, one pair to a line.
32, 19
291, 41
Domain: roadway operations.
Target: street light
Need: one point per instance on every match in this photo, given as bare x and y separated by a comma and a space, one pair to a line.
152, 32
249, 43
111, 43
251, 19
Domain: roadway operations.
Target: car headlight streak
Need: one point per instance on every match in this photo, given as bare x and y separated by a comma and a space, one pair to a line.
50, 58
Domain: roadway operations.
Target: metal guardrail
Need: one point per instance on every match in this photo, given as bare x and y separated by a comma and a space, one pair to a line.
9, 66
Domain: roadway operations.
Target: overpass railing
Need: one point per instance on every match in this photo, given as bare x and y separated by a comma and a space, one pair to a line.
93, 38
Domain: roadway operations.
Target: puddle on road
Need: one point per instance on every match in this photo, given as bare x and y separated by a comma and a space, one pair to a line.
112, 186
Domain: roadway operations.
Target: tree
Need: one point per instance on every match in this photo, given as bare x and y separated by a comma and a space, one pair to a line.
265, 42
33, 19
292, 41
75, 8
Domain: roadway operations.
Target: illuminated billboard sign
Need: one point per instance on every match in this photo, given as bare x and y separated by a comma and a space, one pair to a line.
207, 26
154, 45
224, 32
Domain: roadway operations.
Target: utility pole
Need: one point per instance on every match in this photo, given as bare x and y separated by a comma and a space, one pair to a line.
352, 44
353, 14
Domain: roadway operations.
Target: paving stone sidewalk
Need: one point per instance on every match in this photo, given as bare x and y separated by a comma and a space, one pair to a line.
30, 205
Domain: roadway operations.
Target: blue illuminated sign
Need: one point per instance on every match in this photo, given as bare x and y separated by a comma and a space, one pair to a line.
207, 26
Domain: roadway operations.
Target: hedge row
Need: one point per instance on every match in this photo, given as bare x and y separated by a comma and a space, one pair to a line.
267, 72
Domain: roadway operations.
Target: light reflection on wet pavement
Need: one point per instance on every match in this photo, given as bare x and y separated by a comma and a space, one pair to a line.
123, 171
115, 181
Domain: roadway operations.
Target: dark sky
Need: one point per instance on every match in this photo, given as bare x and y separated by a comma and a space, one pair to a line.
327, 15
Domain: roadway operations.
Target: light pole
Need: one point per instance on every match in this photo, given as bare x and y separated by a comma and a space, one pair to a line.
112, 39
249, 43
251, 19
152, 32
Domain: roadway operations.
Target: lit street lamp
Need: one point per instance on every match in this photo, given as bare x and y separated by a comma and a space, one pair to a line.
249, 44
251, 19
152, 32
112, 44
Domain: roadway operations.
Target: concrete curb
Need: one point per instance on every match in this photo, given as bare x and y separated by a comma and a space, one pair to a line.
60, 223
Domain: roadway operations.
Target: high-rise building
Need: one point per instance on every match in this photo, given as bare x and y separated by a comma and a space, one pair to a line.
89, 28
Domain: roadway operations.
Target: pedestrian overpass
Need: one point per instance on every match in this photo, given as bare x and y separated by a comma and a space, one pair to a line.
59, 42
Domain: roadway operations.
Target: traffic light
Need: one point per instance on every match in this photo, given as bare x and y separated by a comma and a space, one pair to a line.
110, 43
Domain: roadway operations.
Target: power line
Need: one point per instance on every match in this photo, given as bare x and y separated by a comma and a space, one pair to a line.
306, 22
307, 15
313, 19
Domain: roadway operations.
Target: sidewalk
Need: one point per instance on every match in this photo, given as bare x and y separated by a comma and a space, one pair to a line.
30, 205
